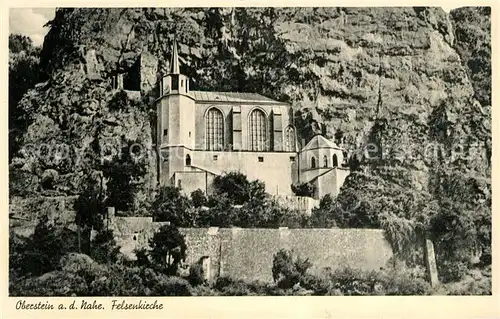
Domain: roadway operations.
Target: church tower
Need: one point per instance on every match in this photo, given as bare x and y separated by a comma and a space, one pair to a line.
175, 121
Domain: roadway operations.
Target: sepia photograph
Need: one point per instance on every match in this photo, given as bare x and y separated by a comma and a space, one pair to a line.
249, 151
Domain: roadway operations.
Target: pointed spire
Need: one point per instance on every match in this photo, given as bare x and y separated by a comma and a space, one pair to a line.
174, 63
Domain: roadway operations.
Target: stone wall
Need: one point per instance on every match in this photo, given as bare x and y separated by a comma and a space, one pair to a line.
302, 203
247, 253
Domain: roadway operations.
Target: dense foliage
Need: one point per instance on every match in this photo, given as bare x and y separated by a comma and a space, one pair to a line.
168, 248
303, 189
235, 201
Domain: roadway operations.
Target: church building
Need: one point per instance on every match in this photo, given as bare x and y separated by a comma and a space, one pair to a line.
204, 134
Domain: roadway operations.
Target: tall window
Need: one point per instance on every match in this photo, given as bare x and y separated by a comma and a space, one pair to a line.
325, 161
257, 126
289, 139
313, 162
335, 161
214, 125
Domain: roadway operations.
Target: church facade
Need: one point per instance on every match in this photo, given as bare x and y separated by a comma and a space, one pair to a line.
204, 134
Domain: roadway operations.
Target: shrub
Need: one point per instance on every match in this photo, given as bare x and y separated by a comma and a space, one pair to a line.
198, 198
104, 247
204, 290
288, 271
351, 281
119, 101
196, 274
450, 271
303, 189
43, 250
232, 287
402, 285
52, 284
320, 285
172, 286
142, 257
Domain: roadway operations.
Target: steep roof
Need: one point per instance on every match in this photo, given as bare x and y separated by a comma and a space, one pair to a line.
232, 97
318, 141
174, 63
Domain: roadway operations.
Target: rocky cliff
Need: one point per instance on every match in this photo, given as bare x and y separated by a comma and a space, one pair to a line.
393, 85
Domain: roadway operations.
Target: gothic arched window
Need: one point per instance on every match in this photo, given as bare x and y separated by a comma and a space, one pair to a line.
188, 160
325, 161
289, 139
335, 161
313, 162
214, 126
258, 130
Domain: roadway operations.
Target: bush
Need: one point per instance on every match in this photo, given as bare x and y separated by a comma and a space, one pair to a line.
351, 281
204, 290
303, 189
196, 274
52, 284
231, 287
450, 271
198, 198
402, 285
320, 285
142, 257
172, 286
41, 252
104, 247
288, 271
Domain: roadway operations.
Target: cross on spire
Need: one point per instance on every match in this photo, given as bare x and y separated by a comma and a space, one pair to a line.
174, 63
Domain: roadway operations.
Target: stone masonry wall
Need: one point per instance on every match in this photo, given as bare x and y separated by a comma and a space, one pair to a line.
247, 253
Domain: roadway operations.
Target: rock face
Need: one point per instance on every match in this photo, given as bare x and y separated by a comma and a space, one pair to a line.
389, 77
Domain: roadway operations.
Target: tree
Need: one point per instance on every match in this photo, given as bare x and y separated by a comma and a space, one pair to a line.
172, 206
122, 172
89, 208
104, 247
168, 248
198, 198
454, 231
238, 188
221, 212
323, 216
